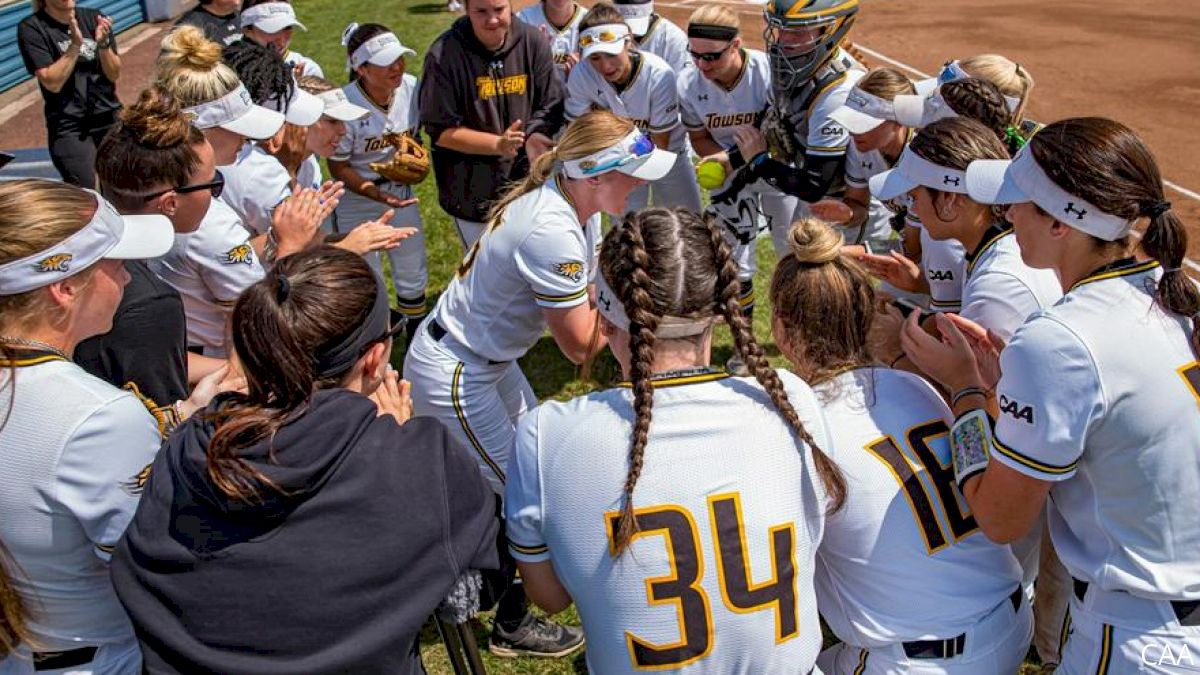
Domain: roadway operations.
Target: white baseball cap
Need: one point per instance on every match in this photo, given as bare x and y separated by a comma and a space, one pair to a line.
637, 14
863, 112
913, 170
270, 17
608, 38
107, 236
238, 113
917, 112
1001, 181
339, 107
381, 50
634, 155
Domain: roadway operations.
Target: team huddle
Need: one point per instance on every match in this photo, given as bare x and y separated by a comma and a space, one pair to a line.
983, 444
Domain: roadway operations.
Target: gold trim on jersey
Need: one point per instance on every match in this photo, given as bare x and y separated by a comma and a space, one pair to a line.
455, 385
862, 662
999, 233
741, 73
836, 81
566, 26
637, 70
561, 298
562, 190
948, 304
371, 101
1030, 462
1106, 649
30, 360
655, 21
679, 381
528, 550
1065, 632
1123, 271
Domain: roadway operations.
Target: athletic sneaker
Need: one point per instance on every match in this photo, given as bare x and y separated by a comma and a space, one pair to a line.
736, 367
535, 637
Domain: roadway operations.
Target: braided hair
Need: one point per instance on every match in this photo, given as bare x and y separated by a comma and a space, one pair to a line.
262, 69
663, 262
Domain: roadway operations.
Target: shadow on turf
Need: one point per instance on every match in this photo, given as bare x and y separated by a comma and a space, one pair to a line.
428, 8
429, 638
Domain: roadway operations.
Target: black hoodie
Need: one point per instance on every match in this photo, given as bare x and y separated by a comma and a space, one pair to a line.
337, 574
465, 84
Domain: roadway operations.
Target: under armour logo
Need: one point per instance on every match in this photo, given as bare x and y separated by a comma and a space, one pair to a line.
601, 298
1079, 213
702, 97
950, 180
867, 165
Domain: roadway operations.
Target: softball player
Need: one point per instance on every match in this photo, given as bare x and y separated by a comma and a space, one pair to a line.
562, 33
617, 77
1096, 403
73, 449
270, 24
662, 564
530, 270
904, 577
999, 289
389, 95
728, 88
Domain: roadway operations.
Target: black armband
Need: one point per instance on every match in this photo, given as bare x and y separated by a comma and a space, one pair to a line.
809, 183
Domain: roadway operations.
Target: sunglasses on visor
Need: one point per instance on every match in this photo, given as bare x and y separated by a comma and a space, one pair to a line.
639, 148
605, 36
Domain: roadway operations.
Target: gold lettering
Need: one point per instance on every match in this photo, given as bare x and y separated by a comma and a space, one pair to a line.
490, 87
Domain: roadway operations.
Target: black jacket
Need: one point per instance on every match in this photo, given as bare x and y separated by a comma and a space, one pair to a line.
336, 574
464, 84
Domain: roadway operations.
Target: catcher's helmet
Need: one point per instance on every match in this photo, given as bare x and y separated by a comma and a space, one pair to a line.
801, 36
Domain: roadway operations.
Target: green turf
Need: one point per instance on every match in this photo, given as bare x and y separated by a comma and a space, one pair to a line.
552, 376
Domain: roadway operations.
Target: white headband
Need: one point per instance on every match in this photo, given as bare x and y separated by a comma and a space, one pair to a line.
668, 326
913, 170
94, 242
1022, 180
381, 50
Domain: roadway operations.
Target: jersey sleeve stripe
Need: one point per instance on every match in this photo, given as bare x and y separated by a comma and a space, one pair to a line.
455, 389
528, 550
562, 298
945, 304
1031, 463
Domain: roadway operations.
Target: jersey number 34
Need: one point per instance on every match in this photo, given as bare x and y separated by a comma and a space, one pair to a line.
682, 587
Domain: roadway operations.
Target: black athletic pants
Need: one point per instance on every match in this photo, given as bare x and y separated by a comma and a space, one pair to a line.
73, 147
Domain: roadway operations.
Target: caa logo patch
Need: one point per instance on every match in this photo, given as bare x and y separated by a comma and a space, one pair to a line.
59, 262
238, 254
832, 131
941, 275
1014, 408
570, 269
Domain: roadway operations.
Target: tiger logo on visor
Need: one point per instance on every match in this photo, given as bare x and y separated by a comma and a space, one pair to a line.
59, 262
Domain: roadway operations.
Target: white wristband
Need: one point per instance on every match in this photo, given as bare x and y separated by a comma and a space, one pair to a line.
971, 443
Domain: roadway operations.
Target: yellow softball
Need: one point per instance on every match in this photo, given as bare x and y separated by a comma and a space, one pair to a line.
710, 175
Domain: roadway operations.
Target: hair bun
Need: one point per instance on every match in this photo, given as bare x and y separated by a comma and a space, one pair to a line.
186, 47
812, 241
156, 119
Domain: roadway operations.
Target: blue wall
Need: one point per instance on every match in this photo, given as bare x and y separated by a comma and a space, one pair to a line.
125, 14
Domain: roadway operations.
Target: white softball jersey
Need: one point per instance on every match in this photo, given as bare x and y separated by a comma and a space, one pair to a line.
309, 175
1099, 395
860, 167
944, 263
730, 509
74, 452
254, 185
704, 104
538, 256
310, 67
363, 144
650, 99
1000, 290
210, 268
825, 136
904, 559
668, 42
563, 41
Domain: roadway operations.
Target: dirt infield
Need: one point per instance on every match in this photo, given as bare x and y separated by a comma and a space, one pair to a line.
1136, 62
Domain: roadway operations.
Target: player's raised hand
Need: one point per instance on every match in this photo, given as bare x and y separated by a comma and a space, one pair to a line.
750, 141
949, 360
394, 396
894, 268
987, 346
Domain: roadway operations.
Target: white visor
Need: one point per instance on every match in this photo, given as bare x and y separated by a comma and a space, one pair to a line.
637, 15
270, 17
918, 112
1000, 181
863, 111
668, 326
339, 107
928, 86
303, 109
381, 50
609, 38
635, 155
236, 112
913, 170
108, 235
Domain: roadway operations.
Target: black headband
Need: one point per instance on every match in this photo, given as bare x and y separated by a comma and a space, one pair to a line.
707, 31
341, 357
